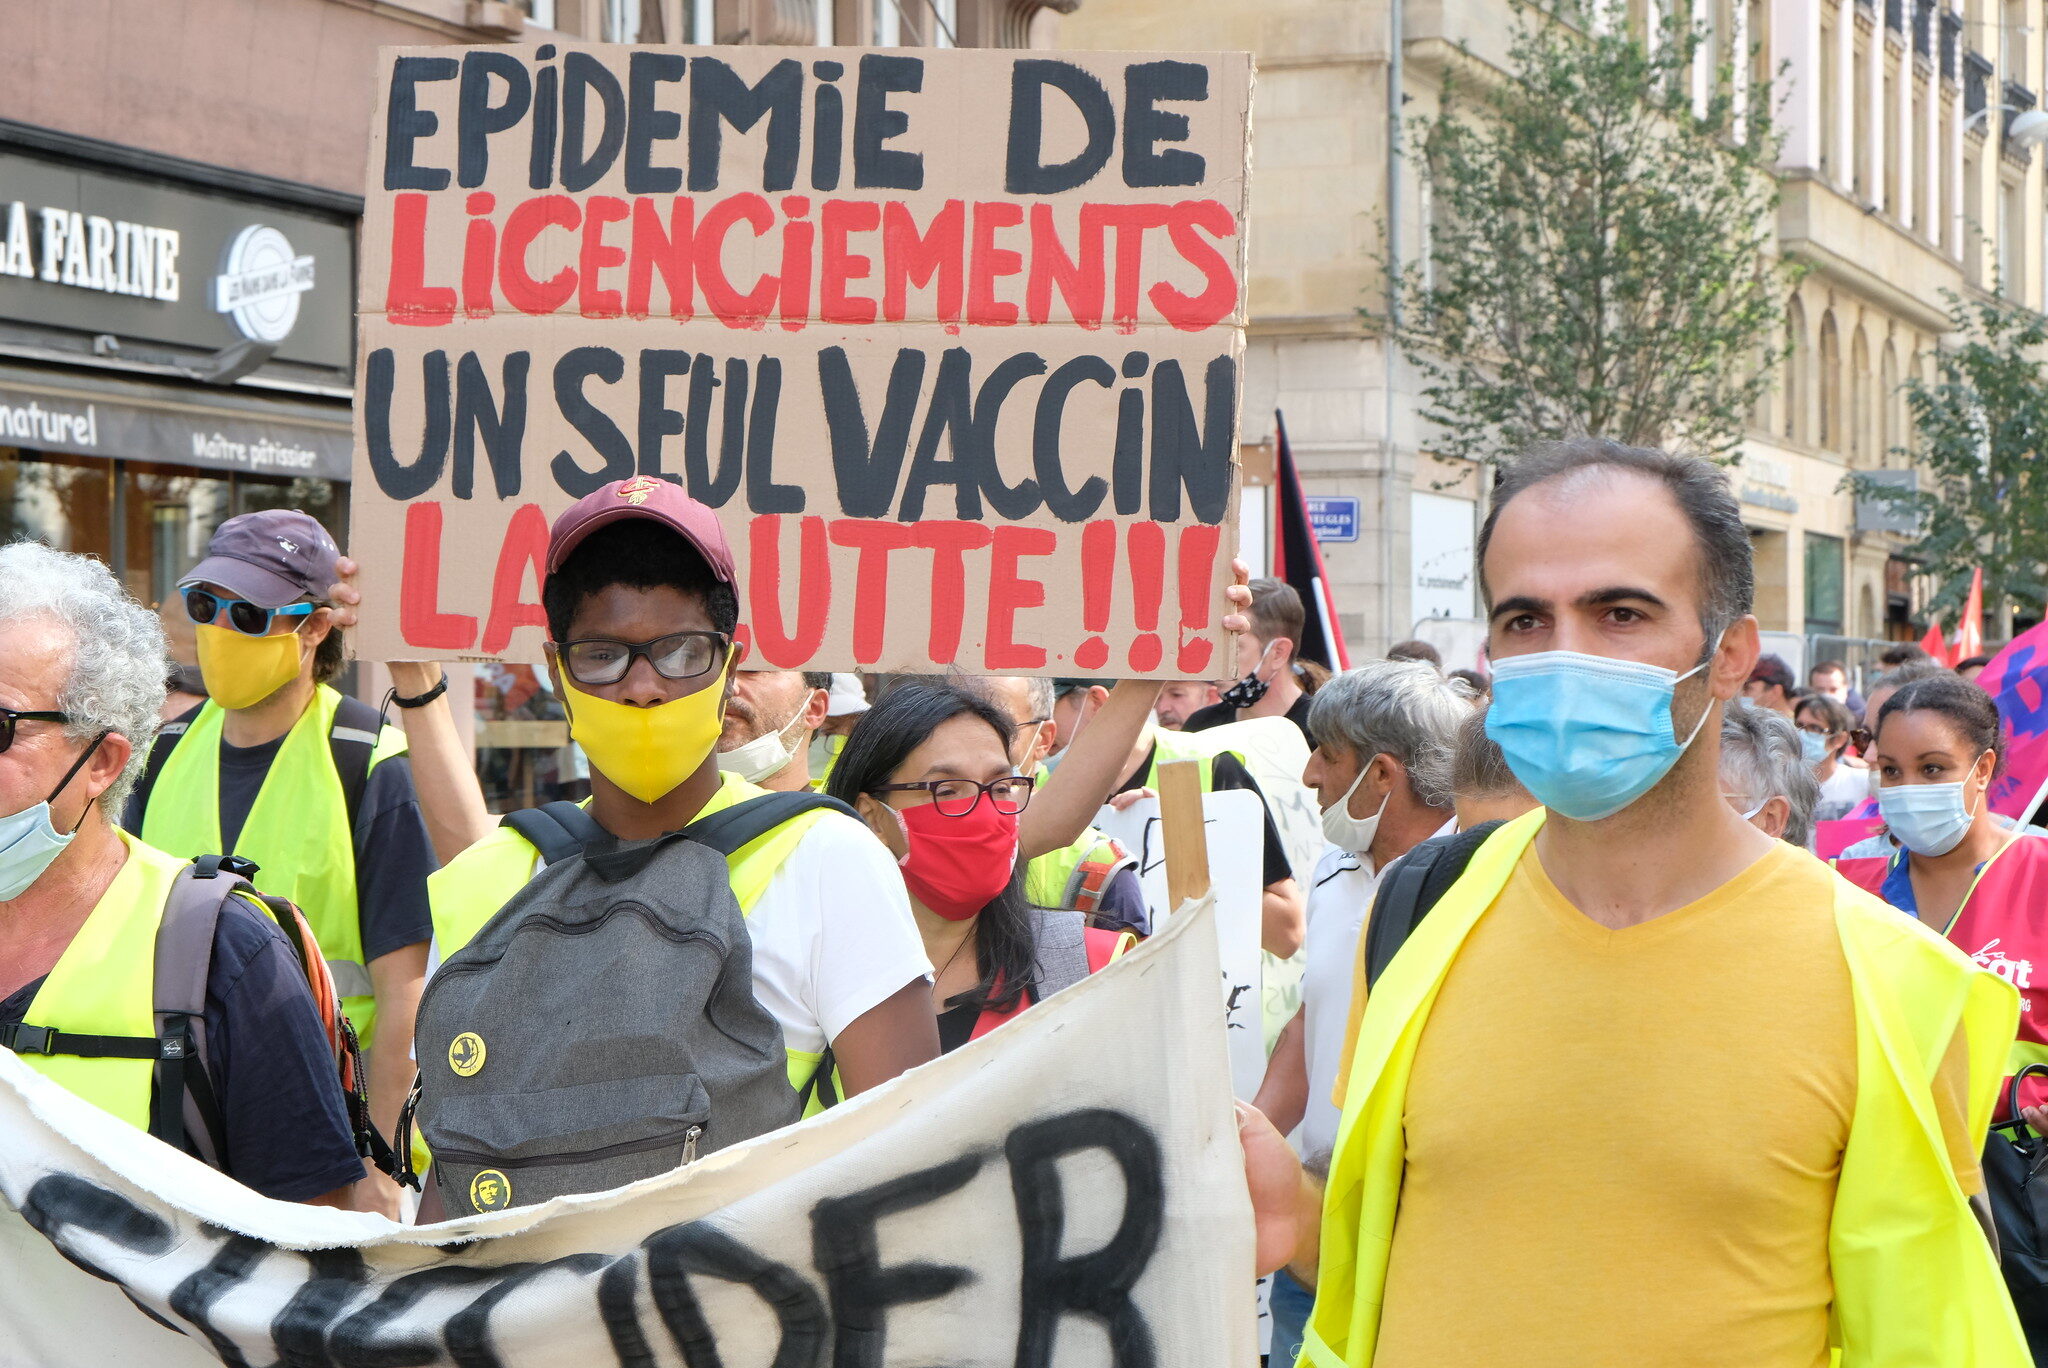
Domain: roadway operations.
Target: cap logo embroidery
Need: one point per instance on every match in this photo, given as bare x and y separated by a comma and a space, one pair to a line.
288, 546
636, 490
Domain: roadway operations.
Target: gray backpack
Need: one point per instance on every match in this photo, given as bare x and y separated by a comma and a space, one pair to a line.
602, 1027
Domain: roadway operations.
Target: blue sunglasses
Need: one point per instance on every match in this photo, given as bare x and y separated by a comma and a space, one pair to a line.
250, 619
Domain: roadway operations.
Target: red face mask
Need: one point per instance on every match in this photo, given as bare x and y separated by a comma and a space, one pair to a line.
955, 865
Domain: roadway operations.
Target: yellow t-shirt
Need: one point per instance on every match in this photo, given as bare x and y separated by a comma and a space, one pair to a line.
1623, 1145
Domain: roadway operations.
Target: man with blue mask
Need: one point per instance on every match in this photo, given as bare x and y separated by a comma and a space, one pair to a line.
1744, 1114
81, 901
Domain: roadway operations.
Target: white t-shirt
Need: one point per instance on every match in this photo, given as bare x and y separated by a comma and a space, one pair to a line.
1338, 901
833, 935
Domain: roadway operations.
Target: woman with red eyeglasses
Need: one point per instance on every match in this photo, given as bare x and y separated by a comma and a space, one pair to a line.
929, 768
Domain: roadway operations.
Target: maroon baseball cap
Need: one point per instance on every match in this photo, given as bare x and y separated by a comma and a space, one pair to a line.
643, 496
1772, 669
271, 558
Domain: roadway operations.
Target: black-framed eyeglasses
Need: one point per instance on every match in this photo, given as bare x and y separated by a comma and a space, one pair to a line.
10, 716
1010, 794
679, 655
205, 607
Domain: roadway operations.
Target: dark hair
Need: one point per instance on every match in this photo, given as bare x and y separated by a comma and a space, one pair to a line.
1415, 650
900, 721
1837, 717
1902, 653
1699, 487
1975, 662
1835, 665
1968, 709
1276, 612
329, 656
640, 554
1478, 768
817, 679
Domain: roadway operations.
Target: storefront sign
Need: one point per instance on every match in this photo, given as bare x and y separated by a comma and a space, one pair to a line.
218, 440
1440, 541
104, 252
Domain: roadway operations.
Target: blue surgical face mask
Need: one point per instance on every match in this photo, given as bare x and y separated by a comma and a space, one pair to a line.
1813, 746
1586, 734
29, 842
1928, 819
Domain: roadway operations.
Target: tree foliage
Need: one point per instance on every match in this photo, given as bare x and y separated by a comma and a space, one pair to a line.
1979, 427
1599, 258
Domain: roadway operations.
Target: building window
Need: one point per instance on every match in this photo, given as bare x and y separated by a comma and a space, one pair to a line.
704, 22
2011, 228
1823, 583
1830, 384
1795, 372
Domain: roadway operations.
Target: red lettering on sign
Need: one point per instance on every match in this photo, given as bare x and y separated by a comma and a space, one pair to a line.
420, 619
525, 546
1008, 592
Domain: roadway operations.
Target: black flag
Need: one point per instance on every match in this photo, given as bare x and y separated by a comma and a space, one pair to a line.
1298, 559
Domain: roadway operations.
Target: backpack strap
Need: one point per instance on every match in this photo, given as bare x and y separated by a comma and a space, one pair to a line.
182, 1103
167, 738
1413, 885
559, 831
352, 742
822, 1084
734, 827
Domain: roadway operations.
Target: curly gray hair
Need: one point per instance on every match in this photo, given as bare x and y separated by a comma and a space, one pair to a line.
1402, 708
1761, 760
116, 682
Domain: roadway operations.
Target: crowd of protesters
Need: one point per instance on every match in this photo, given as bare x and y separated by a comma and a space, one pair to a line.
1574, 989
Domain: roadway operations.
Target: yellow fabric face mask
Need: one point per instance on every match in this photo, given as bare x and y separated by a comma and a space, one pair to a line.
241, 671
647, 751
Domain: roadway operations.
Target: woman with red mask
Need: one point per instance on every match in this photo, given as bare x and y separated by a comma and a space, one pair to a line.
929, 768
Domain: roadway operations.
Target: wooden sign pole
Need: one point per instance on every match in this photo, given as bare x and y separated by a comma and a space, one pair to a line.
1182, 829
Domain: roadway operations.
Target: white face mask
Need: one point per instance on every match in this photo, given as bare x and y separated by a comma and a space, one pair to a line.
768, 753
30, 842
1350, 833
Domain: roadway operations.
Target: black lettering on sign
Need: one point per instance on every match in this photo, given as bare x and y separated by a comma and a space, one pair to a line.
1145, 124
708, 486
299, 1330
875, 165
405, 123
500, 426
1096, 1284
861, 1287
469, 1330
585, 76
657, 420
618, 1292
398, 479
719, 96
477, 118
763, 494
866, 468
673, 1255
354, 1342
60, 1203
193, 1298
1025, 171
572, 370
647, 125
1184, 454
967, 421
1064, 503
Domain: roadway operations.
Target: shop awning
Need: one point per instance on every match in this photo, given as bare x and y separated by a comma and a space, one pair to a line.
137, 420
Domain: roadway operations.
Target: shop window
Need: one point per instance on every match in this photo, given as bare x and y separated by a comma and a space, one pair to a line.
63, 501
1824, 590
169, 514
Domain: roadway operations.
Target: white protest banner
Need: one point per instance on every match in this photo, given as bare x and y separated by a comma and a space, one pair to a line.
950, 338
1233, 821
1067, 1192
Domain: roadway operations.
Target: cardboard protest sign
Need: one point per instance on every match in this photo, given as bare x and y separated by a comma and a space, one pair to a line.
951, 340
1030, 1200
1233, 820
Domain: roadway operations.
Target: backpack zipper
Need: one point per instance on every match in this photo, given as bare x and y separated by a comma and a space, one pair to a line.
664, 1141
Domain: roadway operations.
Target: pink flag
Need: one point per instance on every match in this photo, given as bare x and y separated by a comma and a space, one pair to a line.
2017, 679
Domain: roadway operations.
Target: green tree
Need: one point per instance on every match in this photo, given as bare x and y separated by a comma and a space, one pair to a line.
1599, 258
1979, 427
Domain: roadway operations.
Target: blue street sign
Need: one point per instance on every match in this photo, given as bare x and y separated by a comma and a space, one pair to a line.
1334, 517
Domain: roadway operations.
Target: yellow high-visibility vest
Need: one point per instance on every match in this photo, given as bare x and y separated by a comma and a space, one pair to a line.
1915, 1280
298, 832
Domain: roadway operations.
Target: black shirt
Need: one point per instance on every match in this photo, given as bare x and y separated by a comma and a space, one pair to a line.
286, 1124
1219, 714
1228, 772
393, 852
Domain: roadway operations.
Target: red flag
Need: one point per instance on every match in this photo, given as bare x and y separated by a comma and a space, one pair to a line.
1935, 644
1970, 636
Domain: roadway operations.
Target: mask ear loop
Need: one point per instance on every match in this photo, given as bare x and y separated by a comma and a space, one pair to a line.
65, 782
1693, 735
